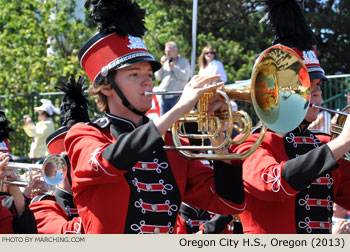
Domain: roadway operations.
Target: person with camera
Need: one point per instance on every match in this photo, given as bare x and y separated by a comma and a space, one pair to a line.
173, 75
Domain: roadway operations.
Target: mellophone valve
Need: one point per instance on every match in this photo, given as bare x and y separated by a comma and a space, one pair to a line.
53, 170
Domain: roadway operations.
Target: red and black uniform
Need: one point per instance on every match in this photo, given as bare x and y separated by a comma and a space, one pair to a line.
124, 182
291, 182
190, 218
6, 219
56, 214
23, 224
222, 224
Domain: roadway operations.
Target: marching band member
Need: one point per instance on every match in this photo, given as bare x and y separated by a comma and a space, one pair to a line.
56, 213
192, 220
123, 181
222, 224
293, 179
15, 215
6, 218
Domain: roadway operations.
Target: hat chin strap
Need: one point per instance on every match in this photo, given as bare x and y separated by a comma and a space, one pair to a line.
304, 125
125, 101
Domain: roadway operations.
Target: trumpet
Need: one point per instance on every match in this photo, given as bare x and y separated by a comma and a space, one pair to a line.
53, 171
337, 128
279, 90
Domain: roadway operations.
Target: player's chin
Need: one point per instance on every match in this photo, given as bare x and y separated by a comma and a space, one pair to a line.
145, 106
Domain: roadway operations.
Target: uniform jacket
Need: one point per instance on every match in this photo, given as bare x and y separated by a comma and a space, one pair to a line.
23, 224
6, 219
124, 182
56, 213
190, 219
291, 182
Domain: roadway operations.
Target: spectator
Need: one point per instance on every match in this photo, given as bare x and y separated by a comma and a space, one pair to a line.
41, 130
173, 75
209, 64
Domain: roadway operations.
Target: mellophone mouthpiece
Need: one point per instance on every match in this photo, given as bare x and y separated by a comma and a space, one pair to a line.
329, 110
163, 92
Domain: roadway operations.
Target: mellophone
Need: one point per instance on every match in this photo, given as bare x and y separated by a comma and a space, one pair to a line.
279, 90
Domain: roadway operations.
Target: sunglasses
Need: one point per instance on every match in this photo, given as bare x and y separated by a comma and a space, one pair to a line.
207, 53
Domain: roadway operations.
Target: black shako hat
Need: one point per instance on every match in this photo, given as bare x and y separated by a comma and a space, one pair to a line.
286, 19
118, 43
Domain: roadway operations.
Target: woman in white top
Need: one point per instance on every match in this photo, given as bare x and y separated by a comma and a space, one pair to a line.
41, 130
209, 65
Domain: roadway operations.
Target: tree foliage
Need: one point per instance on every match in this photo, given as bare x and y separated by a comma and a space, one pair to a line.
230, 26
40, 39
233, 27
31, 28
330, 21
39, 44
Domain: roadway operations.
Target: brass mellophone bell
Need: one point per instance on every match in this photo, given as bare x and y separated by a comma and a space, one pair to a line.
53, 170
279, 89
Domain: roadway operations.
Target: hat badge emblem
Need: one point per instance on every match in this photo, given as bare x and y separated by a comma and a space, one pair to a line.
310, 57
136, 43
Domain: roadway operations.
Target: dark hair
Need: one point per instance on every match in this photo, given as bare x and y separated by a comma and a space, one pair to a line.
202, 62
42, 112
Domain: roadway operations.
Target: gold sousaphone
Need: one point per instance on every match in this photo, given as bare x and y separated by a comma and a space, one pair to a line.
279, 89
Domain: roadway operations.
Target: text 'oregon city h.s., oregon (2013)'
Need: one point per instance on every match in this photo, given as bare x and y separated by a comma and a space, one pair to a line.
313, 242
